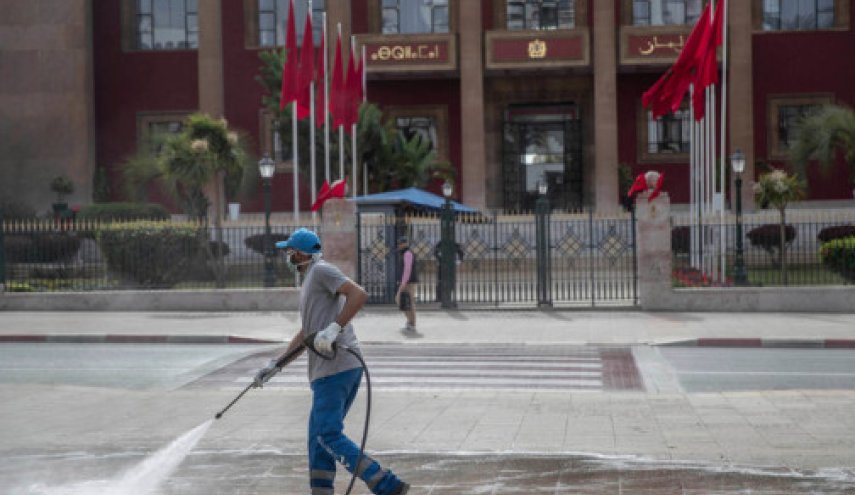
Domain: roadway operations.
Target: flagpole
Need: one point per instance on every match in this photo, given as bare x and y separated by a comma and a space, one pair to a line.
723, 136
312, 160
353, 152
295, 174
326, 106
340, 131
364, 99
693, 230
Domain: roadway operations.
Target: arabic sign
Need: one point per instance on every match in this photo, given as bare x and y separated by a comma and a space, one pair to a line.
510, 50
662, 45
407, 53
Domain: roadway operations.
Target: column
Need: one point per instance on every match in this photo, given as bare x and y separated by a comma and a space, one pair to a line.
210, 56
740, 91
605, 180
473, 157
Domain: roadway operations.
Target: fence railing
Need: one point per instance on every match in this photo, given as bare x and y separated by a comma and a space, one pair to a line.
46, 255
591, 258
800, 265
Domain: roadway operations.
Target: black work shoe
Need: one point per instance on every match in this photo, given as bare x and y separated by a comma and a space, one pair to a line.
402, 489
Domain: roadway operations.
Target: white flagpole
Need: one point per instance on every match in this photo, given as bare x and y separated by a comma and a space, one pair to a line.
326, 104
723, 136
353, 152
341, 127
364, 99
312, 160
295, 173
693, 232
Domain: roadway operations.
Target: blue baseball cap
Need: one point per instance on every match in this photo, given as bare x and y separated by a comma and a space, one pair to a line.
303, 240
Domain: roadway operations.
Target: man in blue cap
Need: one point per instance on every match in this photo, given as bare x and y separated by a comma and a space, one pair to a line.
328, 301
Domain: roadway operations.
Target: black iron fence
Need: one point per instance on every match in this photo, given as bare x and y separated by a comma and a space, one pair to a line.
45, 255
802, 263
590, 259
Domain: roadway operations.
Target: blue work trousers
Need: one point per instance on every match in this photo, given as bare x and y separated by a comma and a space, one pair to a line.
332, 397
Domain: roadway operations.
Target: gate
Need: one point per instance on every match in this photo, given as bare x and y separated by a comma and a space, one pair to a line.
590, 259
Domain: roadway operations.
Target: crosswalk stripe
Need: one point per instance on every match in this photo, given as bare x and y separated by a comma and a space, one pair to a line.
475, 380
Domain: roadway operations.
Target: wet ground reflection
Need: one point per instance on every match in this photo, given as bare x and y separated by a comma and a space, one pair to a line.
263, 473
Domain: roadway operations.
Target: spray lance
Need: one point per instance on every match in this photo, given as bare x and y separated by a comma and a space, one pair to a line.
309, 343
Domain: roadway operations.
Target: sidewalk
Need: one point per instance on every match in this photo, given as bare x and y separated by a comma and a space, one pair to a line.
379, 325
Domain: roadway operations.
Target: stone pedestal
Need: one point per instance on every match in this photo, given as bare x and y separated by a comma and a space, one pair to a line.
653, 248
338, 235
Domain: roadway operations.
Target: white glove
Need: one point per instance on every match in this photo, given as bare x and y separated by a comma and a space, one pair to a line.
266, 373
325, 338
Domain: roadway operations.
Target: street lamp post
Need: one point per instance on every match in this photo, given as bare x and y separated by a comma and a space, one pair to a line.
447, 250
267, 167
737, 162
544, 279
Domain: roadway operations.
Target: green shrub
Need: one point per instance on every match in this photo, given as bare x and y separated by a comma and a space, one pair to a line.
768, 236
836, 232
40, 247
14, 210
839, 256
256, 242
151, 254
123, 212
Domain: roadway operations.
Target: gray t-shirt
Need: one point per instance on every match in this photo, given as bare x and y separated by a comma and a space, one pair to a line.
319, 305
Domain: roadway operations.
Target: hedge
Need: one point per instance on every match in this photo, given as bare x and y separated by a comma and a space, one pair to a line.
40, 247
256, 242
836, 232
123, 212
768, 236
151, 254
839, 256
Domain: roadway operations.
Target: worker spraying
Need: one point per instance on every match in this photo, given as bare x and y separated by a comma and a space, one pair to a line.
328, 302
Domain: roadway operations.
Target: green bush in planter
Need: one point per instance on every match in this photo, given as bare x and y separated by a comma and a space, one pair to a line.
152, 254
839, 256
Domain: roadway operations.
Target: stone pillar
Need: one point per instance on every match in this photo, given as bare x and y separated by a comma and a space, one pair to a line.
47, 125
473, 183
740, 92
338, 235
653, 250
210, 55
605, 178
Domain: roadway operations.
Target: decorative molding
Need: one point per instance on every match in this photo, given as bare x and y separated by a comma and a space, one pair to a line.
541, 49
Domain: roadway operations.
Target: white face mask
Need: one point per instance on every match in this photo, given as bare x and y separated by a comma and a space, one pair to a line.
294, 266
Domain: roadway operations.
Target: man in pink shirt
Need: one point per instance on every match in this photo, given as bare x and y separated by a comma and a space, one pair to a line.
404, 298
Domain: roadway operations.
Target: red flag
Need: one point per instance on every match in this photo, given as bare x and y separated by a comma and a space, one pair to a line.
337, 87
707, 72
351, 90
289, 68
320, 103
667, 93
329, 192
307, 71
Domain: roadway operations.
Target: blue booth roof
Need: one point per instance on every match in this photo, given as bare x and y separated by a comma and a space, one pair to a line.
413, 196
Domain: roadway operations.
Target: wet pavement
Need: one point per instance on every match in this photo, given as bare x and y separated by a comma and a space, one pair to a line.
269, 473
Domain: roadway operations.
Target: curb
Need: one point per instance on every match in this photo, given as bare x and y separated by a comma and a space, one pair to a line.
136, 339
764, 342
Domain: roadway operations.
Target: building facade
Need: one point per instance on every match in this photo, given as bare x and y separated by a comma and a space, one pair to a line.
510, 92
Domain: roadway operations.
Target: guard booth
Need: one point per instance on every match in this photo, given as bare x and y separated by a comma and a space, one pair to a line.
381, 221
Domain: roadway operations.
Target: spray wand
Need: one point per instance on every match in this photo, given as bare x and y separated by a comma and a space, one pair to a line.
287, 358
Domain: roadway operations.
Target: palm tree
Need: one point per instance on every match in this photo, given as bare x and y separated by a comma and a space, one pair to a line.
204, 152
823, 134
777, 189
